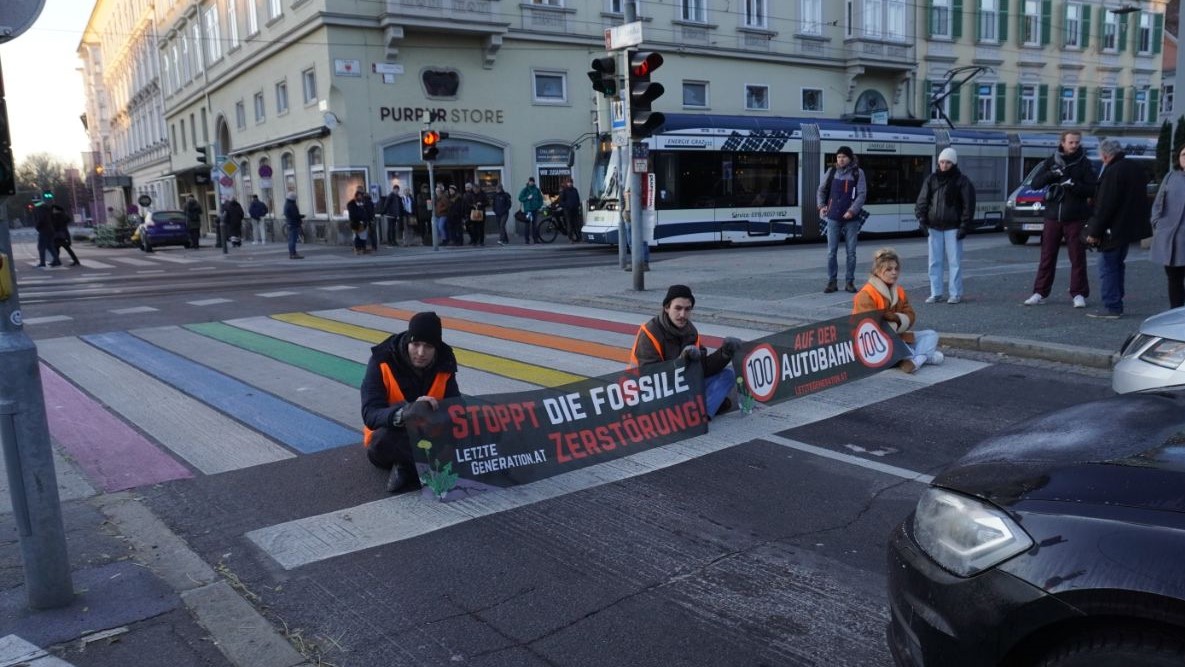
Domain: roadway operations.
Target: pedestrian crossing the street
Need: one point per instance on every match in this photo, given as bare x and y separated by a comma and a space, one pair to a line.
152, 405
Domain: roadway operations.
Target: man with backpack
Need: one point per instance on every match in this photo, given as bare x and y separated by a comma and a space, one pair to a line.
840, 199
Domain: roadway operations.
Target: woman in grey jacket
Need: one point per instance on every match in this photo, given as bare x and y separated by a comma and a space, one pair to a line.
1168, 230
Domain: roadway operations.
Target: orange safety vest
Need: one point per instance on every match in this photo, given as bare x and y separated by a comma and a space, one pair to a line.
395, 394
879, 299
654, 341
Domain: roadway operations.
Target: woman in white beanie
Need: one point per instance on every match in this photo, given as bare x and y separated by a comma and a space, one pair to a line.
944, 210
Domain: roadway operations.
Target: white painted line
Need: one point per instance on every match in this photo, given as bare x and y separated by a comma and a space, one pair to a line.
146, 272
316, 538
97, 275
273, 295
852, 460
133, 261
208, 302
161, 257
337, 288
134, 310
88, 263
16, 652
387, 283
48, 319
202, 268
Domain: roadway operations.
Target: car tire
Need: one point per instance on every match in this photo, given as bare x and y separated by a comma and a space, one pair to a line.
1018, 238
1117, 647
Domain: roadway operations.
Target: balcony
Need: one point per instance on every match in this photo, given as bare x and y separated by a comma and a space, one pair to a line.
876, 53
476, 18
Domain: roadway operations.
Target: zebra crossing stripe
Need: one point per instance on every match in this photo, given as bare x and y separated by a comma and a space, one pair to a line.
505, 333
193, 431
347, 372
16, 652
292, 426
539, 375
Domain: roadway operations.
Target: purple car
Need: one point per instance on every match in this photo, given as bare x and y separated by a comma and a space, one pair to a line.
163, 228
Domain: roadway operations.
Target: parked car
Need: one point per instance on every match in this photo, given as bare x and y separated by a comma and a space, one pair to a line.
163, 228
1057, 543
1154, 356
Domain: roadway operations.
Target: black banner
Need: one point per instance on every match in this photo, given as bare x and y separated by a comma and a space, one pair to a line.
474, 443
801, 361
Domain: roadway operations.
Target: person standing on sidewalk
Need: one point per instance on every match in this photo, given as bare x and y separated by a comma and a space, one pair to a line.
392, 210
232, 217
531, 200
840, 199
407, 376
1120, 219
670, 335
293, 220
882, 293
944, 209
256, 210
502, 206
193, 221
440, 207
570, 203
1070, 180
361, 213
1168, 229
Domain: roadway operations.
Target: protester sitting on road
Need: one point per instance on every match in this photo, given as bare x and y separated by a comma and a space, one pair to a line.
882, 292
671, 335
405, 378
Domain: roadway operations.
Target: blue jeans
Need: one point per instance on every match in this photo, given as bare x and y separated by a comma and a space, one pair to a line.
293, 234
1111, 269
46, 246
924, 342
629, 240
850, 229
718, 387
946, 250
442, 228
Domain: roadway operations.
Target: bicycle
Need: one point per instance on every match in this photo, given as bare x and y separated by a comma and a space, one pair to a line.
552, 223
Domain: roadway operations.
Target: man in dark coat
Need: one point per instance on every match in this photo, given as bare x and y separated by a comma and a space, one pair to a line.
193, 221
232, 219
1121, 217
1070, 180
45, 235
570, 203
671, 335
407, 376
256, 210
61, 233
392, 210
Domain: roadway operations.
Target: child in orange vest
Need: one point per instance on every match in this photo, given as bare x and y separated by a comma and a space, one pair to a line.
882, 292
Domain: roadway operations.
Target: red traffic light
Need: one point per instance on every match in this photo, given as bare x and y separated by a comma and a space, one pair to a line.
430, 138
643, 63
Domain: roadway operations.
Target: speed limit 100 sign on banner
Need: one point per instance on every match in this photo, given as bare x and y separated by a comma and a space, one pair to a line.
811, 358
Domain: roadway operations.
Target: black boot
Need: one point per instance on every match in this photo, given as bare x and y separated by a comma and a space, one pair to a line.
831, 287
402, 479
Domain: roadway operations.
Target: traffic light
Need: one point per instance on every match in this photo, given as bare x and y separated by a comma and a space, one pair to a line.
47, 195
428, 144
203, 154
643, 92
604, 75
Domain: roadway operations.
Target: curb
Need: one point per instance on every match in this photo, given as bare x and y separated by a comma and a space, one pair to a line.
1020, 347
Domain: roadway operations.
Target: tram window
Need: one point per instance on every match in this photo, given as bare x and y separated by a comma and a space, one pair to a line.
687, 180
894, 179
764, 179
725, 180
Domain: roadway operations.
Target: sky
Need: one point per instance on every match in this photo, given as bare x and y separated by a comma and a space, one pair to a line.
42, 84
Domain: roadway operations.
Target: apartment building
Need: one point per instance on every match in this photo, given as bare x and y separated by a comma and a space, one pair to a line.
320, 97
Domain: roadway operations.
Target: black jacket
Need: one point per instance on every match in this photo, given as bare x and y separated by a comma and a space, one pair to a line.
947, 201
1121, 210
376, 410
502, 203
1069, 193
672, 341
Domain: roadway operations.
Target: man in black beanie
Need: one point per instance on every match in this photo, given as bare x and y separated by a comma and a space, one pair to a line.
406, 377
671, 335
840, 199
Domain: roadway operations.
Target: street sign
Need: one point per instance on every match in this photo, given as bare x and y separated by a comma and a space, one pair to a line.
16, 16
621, 138
623, 36
617, 113
230, 168
145, 201
386, 68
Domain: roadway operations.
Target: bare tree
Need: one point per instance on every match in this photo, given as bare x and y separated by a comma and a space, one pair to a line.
41, 172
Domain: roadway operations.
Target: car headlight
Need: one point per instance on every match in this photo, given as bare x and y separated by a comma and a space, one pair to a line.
964, 535
1165, 352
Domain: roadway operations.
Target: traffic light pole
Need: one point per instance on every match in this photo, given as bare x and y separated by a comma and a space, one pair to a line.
28, 456
432, 215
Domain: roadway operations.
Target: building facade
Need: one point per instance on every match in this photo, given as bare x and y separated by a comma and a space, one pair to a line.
320, 97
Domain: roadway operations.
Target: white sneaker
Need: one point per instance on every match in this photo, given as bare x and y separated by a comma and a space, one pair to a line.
1034, 300
937, 357
934, 298
1079, 301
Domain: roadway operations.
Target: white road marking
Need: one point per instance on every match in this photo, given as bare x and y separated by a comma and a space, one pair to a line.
134, 310
48, 319
209, 302
273, 295
16, 652
337, 288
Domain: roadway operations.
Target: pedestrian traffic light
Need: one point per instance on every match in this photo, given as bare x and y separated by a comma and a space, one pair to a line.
428, 144
604, 75
47, 195
203, 154
643, 92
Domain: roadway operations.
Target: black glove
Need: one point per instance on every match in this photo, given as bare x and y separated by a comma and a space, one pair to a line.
961, 234
730, 347
690, 353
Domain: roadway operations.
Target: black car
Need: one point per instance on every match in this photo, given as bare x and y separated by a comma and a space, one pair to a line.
1060, 542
